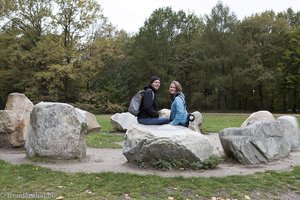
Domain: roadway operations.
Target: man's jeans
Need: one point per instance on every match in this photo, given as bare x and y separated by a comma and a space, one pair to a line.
153, 121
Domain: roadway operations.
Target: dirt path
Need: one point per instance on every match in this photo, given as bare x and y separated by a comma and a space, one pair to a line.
112, 160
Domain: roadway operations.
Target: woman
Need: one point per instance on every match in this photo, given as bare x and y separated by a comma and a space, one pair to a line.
179, 114
148, 112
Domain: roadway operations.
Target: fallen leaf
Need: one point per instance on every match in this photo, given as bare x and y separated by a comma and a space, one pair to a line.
89, 192
60, 198
247, 197
170, 198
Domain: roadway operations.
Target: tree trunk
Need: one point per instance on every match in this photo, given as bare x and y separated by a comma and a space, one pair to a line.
261, 98
295, 99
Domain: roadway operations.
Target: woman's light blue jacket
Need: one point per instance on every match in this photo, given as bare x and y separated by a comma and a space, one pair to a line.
179, 114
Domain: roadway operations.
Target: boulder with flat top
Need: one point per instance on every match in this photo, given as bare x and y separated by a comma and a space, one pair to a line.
146, 143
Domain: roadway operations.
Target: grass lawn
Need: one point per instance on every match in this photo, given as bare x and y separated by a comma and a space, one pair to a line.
29, 179
25, 179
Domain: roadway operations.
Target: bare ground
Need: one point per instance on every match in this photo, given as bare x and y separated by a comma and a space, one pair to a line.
112, 160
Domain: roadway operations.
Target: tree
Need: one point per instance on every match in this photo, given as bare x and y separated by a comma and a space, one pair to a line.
162, 47
23, 25
290, 71
219, 52
73, 19
263, 40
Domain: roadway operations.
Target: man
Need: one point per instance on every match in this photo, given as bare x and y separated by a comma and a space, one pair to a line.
149, 114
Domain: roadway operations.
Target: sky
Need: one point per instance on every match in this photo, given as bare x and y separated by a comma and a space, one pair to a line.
130, 15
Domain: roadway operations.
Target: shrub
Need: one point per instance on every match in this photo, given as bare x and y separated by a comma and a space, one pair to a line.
169, 164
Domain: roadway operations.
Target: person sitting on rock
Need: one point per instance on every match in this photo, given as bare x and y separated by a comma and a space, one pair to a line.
149, 114
179, 114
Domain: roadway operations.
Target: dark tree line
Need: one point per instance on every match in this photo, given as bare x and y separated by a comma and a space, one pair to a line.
67, 51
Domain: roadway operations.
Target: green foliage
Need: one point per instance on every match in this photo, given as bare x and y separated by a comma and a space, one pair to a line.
73, 54
182, 164
98, 102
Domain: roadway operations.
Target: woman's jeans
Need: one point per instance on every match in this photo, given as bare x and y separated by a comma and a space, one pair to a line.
153, 121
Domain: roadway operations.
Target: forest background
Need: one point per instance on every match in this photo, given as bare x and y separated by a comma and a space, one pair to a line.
68, 51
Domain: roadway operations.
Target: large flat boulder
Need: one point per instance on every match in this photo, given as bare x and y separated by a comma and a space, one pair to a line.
146, 143
260, 142
55, 131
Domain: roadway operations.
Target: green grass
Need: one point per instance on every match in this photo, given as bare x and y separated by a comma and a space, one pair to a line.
28, 179
104, 140
215, 122
104, 121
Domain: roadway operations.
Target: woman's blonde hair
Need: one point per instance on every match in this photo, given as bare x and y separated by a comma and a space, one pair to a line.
177, 86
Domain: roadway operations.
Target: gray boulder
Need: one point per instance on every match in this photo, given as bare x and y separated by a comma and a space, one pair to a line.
197, 123
145, 143
292, 131
164, 112
122, 121
55, 131
260, 142
90, 119
261, 115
